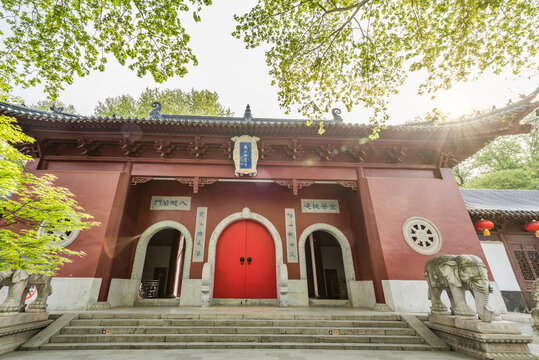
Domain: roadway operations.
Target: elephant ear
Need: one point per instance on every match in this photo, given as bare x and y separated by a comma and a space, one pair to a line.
20, 275
449, 269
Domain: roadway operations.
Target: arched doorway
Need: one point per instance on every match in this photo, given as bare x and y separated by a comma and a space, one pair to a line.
163, 264
326, 277
245, 262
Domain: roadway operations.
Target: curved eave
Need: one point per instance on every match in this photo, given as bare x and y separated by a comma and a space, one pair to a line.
497, 122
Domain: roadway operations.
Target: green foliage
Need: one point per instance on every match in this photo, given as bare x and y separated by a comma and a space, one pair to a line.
359, 51
175, 101
46, 105
505, 179
50, 42
509, 162
28, 201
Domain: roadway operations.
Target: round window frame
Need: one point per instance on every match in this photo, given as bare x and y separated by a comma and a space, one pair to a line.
409, 223
64, 243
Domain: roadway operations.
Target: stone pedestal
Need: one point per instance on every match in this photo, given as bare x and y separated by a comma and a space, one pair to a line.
482, 340
15, 330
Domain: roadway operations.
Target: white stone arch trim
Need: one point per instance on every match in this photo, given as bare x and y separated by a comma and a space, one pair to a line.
346, 250
246, 214
142, 246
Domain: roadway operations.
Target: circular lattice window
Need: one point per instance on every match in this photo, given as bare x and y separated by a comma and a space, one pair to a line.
64, 238
422, 235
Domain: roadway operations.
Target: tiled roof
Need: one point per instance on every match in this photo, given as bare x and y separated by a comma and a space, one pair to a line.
503, 119
507, 203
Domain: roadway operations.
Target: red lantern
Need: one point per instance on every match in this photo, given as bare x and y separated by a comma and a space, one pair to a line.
532, 226
484, 226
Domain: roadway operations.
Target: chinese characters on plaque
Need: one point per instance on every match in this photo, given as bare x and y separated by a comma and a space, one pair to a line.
245, 154
170, 203
319, 206
291, 243
200, 234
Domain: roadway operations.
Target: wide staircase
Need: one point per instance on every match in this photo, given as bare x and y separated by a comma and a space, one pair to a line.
237, 331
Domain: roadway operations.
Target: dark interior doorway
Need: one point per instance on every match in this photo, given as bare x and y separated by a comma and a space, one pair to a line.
164, 263
328, 267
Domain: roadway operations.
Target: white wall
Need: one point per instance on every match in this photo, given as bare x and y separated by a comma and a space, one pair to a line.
500, 265
69, 293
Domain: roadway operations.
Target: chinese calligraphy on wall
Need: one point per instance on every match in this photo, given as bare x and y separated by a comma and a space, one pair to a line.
200, 234
170, 203
291, 242
319, 206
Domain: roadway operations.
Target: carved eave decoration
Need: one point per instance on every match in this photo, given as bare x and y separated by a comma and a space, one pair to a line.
196, 182
178, 136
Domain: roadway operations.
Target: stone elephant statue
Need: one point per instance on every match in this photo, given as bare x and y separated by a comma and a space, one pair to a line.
455, 274
19, 281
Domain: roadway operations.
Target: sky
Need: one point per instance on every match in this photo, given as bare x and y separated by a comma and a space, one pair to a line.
240, 77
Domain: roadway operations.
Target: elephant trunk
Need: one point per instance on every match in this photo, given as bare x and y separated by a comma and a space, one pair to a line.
481, 291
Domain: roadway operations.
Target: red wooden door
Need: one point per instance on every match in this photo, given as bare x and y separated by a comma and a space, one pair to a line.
252, 279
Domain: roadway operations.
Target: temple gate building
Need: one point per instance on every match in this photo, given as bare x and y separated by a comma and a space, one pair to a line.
233, 210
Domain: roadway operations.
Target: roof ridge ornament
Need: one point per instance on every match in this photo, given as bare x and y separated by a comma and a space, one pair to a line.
57, 110
155, 114
247, 116
336, 114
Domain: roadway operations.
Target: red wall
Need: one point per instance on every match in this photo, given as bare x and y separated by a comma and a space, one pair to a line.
94, 191
438, 199
224, 199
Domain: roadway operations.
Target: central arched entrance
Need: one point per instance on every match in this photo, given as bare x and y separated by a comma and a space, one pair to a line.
245, 262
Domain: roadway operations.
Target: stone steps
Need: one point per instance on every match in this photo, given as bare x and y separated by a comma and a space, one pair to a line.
238, 323
73, 330
273, 338
236, 345
153, 330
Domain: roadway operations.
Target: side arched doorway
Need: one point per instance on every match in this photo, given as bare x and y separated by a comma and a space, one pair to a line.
142, 247
326, 278
162, 271
245, 262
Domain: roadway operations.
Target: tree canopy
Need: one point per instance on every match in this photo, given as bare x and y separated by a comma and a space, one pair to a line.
34, 213
324, 52
51, 42
174, 101
509, 162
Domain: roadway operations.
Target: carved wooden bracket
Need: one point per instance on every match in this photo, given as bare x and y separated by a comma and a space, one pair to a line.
29, 149
294, 150
357, 153
396, 154
351, 184
294, 184
265, 150
140, 179
449, 159
196, 182
227, 149
164, 148
326, 152
197, 148
130, 147
90, 147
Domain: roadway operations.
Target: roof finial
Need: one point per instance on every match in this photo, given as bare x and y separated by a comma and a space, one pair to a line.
335, 112
247, 116
57, 110
155, 113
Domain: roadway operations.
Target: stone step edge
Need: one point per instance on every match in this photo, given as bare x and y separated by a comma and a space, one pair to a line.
237, 345
136, 316
339, 328
205, 322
